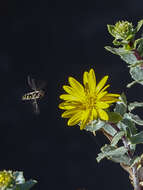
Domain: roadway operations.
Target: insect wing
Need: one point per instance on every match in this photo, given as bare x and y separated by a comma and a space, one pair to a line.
31, 83
35, 106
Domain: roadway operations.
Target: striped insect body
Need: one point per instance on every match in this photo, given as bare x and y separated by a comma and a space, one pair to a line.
36, 94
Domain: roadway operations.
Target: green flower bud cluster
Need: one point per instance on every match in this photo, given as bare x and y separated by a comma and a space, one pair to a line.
130, 47
6, 179
123, 29
124, 33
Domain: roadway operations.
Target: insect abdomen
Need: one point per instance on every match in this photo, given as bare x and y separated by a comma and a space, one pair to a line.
32, 95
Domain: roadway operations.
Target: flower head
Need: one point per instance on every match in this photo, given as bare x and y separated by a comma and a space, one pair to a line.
123, 29
87, 102
6, 179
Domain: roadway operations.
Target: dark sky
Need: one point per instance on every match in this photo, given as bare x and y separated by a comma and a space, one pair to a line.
52, 40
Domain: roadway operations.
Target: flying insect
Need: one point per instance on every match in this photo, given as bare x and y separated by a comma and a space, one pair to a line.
37, 93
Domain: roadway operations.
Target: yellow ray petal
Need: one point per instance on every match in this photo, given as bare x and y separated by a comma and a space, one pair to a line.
76, 85
101, 84
85, 119
69, 97
73, 92
111, 101
75, 119
70, 113
101, 94
68, 89
113, 95
92, 81
102, 105
85, 78
109, 98
103, 89
103, 115
93, 115
66, 106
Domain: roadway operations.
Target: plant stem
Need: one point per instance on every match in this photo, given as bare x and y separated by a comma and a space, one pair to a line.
124, 140
135, 178
136, 53
130, 154
134, 168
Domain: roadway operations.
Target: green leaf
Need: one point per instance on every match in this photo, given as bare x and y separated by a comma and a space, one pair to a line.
123, 98
137, 74
26, 186
139, 25
138, 42
19, 178
132, 83
127, 126
129, 122
129, 57
114, 117
110, 152
134, 105
137, 139
131, 36
117, 43
117, 51
111, 29
95, 126
20, 183
117, 137
126, 55
121, 159
121, 106
118, 151
122, 126
109, 129
135, 118
139, 62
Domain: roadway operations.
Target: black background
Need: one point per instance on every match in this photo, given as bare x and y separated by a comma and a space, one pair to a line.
52, 40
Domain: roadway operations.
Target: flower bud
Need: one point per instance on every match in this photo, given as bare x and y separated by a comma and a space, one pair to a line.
123, 29
6, 179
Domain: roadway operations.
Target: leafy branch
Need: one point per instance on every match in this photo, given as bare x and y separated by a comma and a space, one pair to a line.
130, 49
89, 105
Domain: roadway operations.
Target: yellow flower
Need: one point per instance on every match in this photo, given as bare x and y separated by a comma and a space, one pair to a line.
6, 179
83, 104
